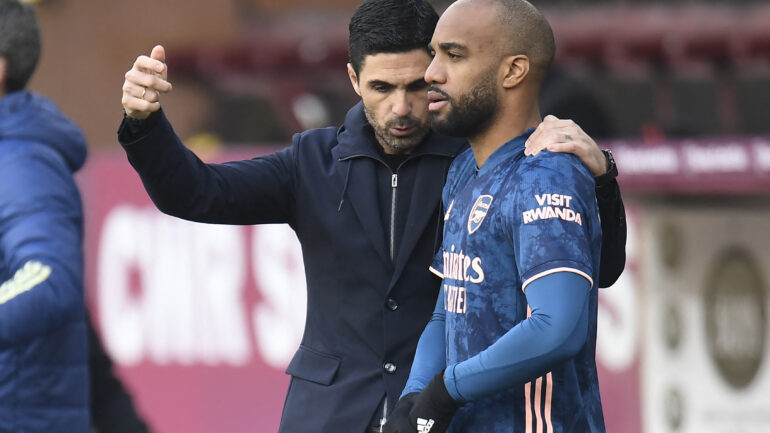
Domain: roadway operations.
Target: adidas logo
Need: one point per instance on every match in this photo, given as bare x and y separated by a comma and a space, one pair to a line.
424, 425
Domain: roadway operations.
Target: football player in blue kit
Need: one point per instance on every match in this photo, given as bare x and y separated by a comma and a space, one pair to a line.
511, 344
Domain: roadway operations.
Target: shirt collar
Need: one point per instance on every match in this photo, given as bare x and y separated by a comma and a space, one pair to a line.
504, 152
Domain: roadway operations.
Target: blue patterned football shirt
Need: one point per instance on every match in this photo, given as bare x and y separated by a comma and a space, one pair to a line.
507, 224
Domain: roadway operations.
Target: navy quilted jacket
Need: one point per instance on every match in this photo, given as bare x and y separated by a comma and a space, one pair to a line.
43, 340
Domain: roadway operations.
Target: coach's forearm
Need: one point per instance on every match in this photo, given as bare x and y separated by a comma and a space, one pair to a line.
613, 220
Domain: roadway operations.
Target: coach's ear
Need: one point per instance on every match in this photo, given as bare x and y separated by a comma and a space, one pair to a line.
353, 79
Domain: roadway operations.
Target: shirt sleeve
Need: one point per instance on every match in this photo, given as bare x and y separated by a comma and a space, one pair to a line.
253, 191
552, 219
131, 129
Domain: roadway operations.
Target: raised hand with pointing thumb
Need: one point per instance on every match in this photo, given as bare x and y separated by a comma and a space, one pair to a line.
145, 81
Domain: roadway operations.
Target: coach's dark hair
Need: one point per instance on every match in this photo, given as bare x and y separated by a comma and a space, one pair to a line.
389, 26
19, 43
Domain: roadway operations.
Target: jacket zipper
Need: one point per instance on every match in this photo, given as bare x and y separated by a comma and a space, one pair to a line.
394, 185
384, 418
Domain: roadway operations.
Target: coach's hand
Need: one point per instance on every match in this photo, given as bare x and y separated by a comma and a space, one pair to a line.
146, 80
564, 135
433, 407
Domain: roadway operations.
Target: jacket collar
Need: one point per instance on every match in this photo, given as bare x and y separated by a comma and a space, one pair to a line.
356, 142
355, 138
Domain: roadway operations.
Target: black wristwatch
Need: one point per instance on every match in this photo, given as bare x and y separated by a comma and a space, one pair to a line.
612, 170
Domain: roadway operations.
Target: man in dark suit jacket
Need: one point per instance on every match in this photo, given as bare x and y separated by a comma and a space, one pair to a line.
363, 199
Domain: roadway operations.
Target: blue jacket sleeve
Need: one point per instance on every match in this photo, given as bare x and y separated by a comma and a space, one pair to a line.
430, 357
254, 191
41, 263
554, 332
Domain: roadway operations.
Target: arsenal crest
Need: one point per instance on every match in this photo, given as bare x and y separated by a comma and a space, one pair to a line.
478, 212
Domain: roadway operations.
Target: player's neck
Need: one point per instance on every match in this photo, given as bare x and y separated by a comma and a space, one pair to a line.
509, 124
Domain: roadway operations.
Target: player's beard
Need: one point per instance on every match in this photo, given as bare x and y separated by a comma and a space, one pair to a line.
398, 145
472, 113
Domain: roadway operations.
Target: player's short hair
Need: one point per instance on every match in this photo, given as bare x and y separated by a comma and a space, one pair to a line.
527, 32
389, 26
19, 43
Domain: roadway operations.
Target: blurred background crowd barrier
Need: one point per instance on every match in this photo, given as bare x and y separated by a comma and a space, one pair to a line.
203, 319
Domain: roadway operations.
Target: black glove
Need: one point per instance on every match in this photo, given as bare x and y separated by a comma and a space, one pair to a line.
398, 421
433, 408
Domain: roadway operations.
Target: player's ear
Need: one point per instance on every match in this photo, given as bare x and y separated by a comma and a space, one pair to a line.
516, 68
353, 79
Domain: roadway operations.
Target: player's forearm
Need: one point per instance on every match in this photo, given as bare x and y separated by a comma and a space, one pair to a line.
555, 332
430, 357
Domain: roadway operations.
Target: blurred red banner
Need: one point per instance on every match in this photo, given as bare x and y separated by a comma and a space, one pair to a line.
703, 166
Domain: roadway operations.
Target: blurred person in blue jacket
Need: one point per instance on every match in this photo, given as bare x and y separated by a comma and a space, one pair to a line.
44, 378
364, 201
44, 342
